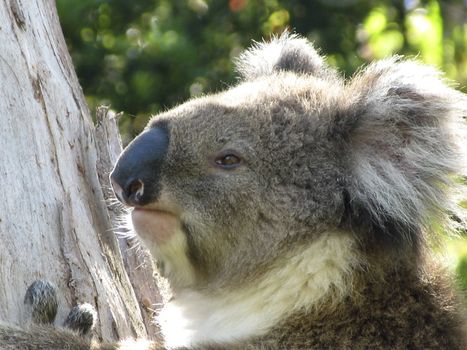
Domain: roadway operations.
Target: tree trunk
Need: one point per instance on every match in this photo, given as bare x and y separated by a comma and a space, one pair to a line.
54, 222
138, 262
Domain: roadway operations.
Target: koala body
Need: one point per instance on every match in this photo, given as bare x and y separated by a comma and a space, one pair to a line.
294, 210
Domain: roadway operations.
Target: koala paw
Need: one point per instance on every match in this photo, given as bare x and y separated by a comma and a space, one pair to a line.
41, 299
81, 318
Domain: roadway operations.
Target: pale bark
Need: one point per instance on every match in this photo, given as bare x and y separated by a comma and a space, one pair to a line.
145, 280
54, 222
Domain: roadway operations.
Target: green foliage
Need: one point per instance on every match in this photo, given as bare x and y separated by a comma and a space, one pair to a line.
144, 56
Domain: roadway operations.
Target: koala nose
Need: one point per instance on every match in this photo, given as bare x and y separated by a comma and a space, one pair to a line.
136, 176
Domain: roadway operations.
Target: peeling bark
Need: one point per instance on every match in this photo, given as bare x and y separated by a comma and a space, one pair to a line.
54, 221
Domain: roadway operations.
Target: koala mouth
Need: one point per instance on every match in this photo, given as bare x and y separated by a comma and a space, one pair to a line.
155, 226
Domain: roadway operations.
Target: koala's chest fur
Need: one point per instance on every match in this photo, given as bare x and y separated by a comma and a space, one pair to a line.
302, 280
402, 313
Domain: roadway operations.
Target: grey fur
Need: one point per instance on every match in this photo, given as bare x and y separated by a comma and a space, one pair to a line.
81, 319
288, 52
369, 159
410, 117
41, 299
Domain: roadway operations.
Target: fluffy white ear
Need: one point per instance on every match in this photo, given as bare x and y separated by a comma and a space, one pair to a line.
406, 134
288, 52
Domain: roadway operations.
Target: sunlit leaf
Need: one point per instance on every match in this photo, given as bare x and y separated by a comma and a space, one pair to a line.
425, 32
376, 21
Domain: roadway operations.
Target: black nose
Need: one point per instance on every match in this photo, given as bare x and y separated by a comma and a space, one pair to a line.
136, 176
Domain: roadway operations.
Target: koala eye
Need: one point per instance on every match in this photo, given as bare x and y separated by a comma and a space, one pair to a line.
227, 160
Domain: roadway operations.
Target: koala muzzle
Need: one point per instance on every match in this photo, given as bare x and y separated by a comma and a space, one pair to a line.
136, 176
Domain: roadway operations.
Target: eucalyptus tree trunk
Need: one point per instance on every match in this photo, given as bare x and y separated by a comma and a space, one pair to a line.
54, 220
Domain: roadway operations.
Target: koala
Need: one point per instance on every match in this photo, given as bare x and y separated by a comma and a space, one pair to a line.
296, 209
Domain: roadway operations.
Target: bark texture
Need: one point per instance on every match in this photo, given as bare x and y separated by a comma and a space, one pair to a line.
150, 288
54, 221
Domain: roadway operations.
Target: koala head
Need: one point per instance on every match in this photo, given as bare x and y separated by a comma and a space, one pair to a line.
225, 184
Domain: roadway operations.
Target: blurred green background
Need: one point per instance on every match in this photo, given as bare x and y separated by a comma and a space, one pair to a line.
144, 56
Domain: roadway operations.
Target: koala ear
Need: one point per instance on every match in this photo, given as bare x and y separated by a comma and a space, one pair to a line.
405, 131
288, 52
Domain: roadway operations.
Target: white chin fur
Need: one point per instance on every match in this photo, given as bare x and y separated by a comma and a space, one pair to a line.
176, 266
161, 233
299, 281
